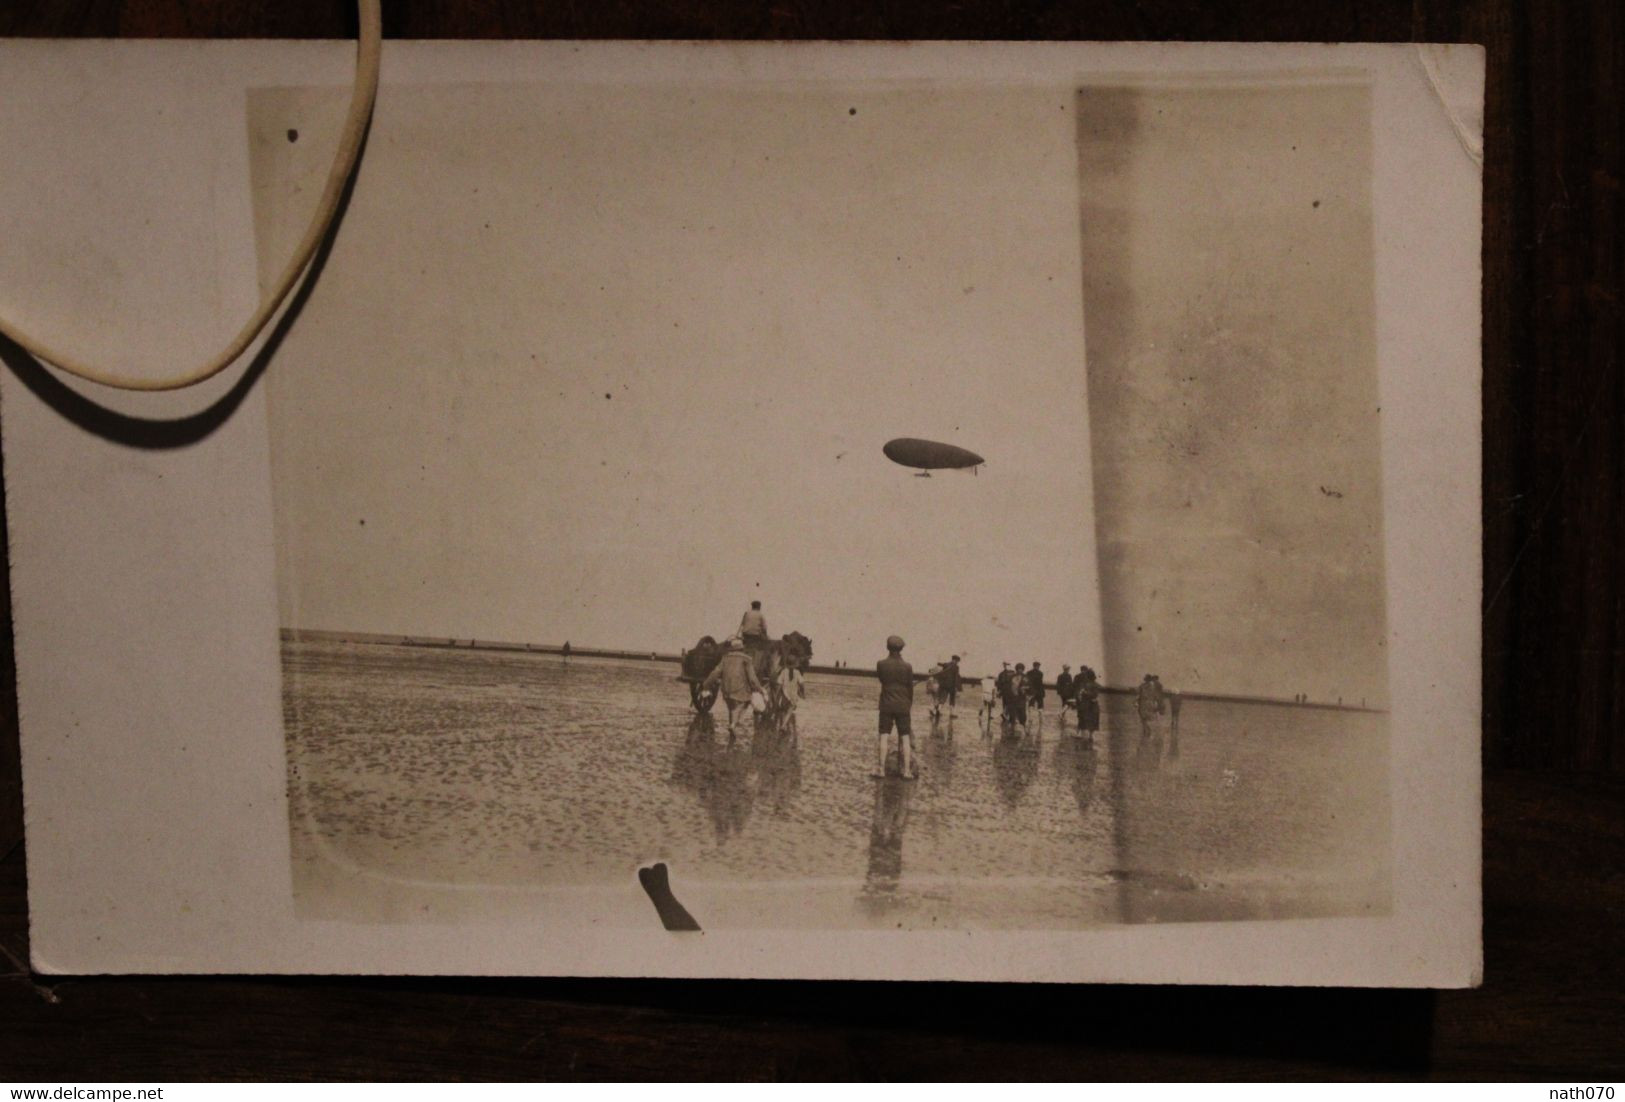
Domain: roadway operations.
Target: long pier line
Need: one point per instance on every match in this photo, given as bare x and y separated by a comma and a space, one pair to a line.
441, 642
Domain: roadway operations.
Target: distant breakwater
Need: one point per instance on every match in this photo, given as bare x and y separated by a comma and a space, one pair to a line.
443, 642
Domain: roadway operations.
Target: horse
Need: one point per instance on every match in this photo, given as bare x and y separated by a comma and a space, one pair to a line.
767, 660
698, 662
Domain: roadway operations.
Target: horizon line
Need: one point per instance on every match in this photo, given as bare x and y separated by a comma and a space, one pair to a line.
449, 642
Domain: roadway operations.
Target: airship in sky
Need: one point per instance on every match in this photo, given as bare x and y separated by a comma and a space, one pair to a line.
930, 455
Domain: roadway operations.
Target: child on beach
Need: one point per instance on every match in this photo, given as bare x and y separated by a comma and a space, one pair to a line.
990, 696
792, 687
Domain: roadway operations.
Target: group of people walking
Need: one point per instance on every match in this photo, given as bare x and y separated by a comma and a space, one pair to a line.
1020, 694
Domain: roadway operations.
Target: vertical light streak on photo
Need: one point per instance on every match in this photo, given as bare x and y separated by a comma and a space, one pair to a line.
1227, 264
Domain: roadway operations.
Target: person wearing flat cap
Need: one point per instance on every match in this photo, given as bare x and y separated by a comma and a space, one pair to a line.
736, 674
896, 704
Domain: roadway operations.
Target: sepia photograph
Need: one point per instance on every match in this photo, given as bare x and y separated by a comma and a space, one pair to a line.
846, 543
834, 505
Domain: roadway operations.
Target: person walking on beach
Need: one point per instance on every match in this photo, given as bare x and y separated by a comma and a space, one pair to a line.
1064, 690
948, 685
1035, 691
1015, 696
1149, 703
1086, 690
566, 652
933, 689
792, 687
1002, 684
896, 704
990, 697
737, 676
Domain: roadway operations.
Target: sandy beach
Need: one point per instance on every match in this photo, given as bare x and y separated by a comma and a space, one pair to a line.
440, 785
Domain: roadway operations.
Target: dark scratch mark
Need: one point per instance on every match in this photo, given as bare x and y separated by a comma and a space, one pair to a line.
673, 915
1331, 493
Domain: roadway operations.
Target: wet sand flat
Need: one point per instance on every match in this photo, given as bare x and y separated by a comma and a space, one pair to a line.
436, 783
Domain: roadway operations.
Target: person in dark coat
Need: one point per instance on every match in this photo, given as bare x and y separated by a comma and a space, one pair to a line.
1064, 690
896, 707
1015, 696
1002, 685
1086, 690
1035, 690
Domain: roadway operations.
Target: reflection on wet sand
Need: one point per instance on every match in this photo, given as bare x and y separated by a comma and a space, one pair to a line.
892, 797
1015, 767
732, 775
939, 754
718, 772
776, 756
1148, 752
1076, 759
414, 767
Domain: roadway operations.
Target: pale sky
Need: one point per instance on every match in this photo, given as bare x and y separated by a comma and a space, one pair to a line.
1230, 307
606, 364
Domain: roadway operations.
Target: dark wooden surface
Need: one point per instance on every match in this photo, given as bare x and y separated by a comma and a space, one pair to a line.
1554, 662
1550, 1008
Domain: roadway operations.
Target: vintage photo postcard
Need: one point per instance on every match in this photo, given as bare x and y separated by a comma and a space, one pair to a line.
963, 511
